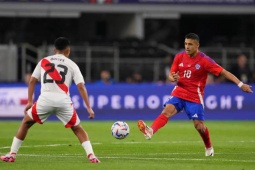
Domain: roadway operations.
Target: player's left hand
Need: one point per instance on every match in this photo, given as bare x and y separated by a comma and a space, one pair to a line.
91, 113
246, 88
28, 106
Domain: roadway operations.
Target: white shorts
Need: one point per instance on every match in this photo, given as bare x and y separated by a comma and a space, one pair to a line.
54, 103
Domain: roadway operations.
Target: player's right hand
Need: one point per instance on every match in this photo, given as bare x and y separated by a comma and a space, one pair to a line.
28, 106
91, 113
175, 76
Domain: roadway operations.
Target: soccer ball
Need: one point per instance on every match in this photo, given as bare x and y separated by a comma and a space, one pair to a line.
120, 130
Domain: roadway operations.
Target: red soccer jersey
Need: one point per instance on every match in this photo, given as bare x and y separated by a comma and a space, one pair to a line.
193, 74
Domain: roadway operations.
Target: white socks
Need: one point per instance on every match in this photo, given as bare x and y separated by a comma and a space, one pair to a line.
87, 147
16, 143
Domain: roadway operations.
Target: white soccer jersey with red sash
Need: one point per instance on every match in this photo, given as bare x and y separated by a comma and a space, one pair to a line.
56, 74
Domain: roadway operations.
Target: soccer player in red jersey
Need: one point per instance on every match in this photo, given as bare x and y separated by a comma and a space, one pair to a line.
56, 73
189, 70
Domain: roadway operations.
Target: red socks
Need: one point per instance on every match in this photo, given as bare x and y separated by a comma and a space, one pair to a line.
159, 122
206, 138
162, 120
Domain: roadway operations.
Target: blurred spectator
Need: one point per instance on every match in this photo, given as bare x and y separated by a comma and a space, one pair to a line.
129, 79
100, 1
210, 79
27, 77
165, 68
135, 78
241, 69
168, 63
254, 76
105, 78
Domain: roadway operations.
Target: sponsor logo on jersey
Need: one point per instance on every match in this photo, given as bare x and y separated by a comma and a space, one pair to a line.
181, 65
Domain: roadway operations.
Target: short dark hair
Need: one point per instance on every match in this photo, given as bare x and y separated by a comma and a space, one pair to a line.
61, 43
192, 36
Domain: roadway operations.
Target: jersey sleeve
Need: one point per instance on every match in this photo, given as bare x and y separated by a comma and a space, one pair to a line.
37, 71
78, 78
212, 67
174, 67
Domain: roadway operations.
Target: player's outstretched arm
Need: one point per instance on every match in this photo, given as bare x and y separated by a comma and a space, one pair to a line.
233, 78
84, 94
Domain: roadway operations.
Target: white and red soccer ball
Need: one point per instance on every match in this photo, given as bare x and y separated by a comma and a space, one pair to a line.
120, 130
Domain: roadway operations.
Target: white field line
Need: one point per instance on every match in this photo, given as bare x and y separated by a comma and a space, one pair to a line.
128, 143
137, 154
173, 142
181, 159
132, 156
51, 145
135, 158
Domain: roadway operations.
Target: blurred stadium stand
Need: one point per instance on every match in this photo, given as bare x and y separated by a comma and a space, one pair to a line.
120, 35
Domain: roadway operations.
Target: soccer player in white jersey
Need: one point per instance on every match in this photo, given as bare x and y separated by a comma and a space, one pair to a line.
56, 74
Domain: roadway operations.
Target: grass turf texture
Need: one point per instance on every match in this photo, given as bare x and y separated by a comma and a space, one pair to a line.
176, 146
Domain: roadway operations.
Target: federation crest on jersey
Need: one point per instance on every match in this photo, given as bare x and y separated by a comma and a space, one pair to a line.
197, 66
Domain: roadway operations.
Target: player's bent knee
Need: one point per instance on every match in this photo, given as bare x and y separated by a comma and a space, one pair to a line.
76, 128
200, 127
28, 121
169, 111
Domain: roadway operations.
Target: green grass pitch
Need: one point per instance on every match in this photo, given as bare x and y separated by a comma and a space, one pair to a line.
176, 146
